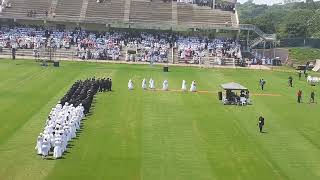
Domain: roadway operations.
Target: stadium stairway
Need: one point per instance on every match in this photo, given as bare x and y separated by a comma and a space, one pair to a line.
262, 37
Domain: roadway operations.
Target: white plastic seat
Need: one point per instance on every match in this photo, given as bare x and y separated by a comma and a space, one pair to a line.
243, 101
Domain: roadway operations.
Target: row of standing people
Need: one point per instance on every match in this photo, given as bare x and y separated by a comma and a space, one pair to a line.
165, 85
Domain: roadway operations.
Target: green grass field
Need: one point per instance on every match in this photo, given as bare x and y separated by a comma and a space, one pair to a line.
144, 135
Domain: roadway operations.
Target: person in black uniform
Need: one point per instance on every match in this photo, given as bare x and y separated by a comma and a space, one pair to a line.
100, 81
261, 123
290, 82
262, 82
110, 84
107, 84
312, 95
13, 53
299, 74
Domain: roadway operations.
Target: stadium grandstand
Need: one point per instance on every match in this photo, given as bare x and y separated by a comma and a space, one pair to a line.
105, 22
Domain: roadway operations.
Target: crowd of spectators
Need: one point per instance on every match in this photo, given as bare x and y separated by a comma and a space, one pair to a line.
194, 49
116, 45
225, 6
197, 2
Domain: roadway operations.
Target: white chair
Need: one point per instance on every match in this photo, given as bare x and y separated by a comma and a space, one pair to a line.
243, 101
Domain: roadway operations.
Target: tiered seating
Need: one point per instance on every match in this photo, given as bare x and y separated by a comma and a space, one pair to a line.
161, 11
140, 11
202, 15
184, 13
68, 8
154, 11
209, 16
109, 10
21, 7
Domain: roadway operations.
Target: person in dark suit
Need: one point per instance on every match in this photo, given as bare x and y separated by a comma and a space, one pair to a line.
299, 74
261, 123
13, 53
110, 84
262, 82
312, 95
107, 84
290, 82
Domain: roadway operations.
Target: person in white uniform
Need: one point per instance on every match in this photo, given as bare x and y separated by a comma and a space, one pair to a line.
57, 152
130, 85
39, 144
45, 148
151, 84
184, 85
165, 85
144, 84
193, 87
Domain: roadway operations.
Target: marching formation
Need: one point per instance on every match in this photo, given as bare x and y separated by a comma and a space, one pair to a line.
65, 118
165, 85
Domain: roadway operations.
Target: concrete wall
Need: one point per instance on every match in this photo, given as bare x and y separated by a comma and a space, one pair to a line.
282, 53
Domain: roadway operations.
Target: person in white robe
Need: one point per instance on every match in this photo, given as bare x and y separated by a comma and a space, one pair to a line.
45, 148
193, 87
165, 85
184, 85
39, 144
144, 84
130, 85
60, 127
151, 84
57, 152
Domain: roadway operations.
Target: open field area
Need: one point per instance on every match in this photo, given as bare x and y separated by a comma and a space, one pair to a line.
155, 135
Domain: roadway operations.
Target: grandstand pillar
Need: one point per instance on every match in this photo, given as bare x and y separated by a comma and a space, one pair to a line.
264, 48
213, 3
248, 38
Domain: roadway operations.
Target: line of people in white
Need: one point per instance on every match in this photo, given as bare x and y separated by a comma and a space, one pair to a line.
61, 126
165, 85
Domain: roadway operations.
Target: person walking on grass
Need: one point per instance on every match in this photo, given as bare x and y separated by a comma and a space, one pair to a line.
299, 75
312, 95
262, 82
290, 81
299, 95
261, 123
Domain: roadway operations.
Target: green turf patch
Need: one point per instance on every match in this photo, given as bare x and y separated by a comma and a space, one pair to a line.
160, 135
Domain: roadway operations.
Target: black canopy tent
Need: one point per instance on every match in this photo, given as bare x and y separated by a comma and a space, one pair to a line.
233, 98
